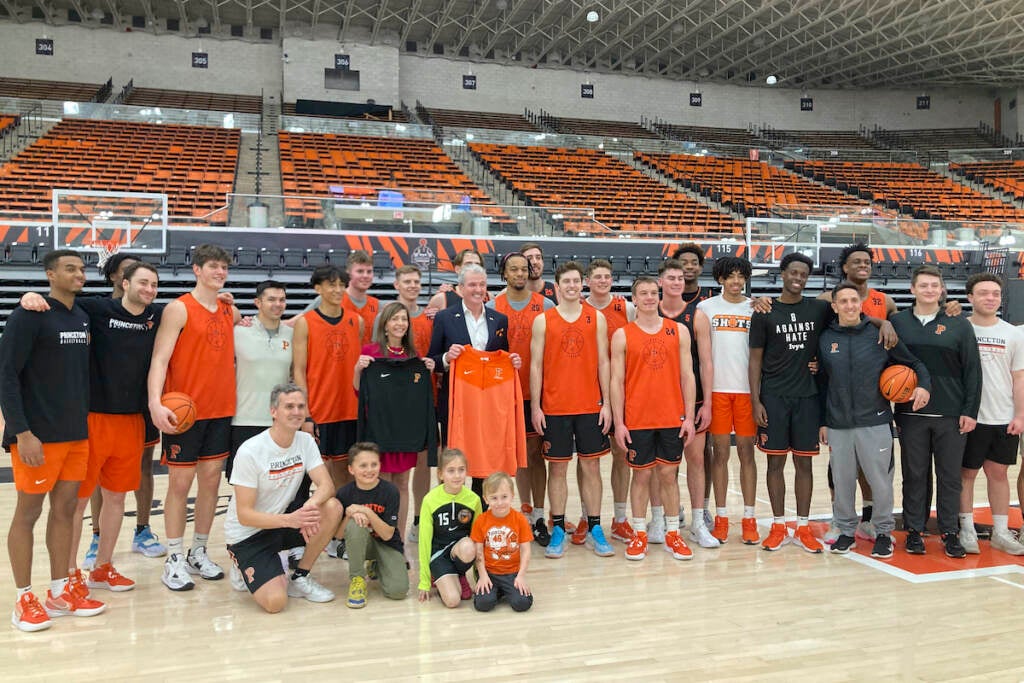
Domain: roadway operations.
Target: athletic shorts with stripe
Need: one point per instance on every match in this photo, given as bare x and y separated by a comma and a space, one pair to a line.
792, 425
336, 438
115, 453
650, 447
152, 433
443, 564
566, 434
207, 440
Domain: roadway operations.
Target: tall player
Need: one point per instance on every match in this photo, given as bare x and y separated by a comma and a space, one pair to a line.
679, 278
617, 313
535, 255
521, 307
194, 352
326, 347
652, 392
993, 444
359, 267
263, 359
784, 396
723, 323
935, 434
569, 373
44, 396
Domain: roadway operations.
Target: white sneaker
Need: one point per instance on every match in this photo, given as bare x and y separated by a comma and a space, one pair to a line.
176, 573
656, 530
700, 535
307, 587
199, 563
832, 534
332, 548
414, 533
709, 520
969, 540
865, 531
1004, 541
237, 582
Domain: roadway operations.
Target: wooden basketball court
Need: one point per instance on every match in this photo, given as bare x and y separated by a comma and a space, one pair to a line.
736, 613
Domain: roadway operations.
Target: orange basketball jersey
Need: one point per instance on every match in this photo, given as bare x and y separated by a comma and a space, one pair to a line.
874, 305
654, 399
331, 355
616, 314
520, 330
203, 357
485, 412
571, 384
368, 313
422, 329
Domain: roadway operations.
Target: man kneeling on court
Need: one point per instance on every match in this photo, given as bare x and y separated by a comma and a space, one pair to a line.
263, 518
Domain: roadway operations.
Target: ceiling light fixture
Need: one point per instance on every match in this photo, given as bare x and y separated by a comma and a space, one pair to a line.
592, 16
772, 79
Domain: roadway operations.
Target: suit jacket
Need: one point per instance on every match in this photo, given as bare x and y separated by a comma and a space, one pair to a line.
450, 328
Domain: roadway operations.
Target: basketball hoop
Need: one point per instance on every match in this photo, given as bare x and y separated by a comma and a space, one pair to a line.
105, 249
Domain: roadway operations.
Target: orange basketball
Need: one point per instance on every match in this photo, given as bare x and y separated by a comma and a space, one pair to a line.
183, 408
897, 383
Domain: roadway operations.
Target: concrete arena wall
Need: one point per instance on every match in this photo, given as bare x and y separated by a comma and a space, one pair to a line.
390, 76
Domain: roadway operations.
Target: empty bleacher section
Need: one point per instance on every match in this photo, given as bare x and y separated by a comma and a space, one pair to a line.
1004, 176
819, 139
705, 134
317, 167
188, 99
911, 189
195, 166
622, 197
380, 114
28, 89
748, 187
455, 118
935, 139
604, 129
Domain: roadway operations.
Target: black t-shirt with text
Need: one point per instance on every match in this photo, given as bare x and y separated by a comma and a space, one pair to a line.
382, 499
789, 337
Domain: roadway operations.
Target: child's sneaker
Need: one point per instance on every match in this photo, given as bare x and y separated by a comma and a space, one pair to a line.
637, 548
105, 576
675, 544
357, 592
29, 615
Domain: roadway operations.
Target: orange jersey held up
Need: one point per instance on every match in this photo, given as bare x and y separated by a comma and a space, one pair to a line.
654, 398
485, 412
520, 327
571, 385
331, 355
202, 364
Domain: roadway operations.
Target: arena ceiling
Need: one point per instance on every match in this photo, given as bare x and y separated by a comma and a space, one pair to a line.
805, 43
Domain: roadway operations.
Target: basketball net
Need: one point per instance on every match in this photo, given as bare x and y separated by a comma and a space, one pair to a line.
105, 250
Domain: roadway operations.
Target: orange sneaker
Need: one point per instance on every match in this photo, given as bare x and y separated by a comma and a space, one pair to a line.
778, 536
569, 527
750, 534
637, 548
579, 536
105, 576
29, 615
77, 584
806, 540
675, 544
622, 531
526, 509
70, 603
721, 530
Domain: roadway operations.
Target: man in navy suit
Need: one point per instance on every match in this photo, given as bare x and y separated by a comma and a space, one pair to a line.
467, 323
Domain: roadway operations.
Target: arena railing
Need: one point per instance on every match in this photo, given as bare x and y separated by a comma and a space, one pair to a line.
965, 156
385, 129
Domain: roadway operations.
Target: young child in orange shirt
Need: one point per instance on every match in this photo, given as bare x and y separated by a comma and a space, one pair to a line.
502, 536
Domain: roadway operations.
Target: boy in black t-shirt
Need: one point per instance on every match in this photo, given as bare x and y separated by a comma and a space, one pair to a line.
784, 395
369, 528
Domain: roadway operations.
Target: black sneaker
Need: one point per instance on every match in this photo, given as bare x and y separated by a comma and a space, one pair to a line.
883, 547
915, 544
541, 533
953, 547
843, 544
